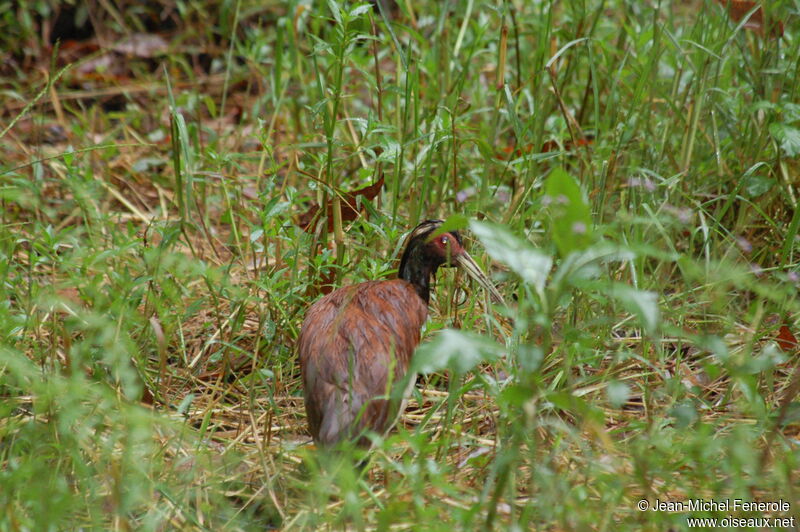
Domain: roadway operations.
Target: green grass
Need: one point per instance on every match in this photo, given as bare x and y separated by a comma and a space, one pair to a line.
626, 170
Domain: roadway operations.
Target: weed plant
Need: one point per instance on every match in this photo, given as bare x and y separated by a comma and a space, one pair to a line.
626, 170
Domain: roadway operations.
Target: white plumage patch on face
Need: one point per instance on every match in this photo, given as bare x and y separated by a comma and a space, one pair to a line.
424, 229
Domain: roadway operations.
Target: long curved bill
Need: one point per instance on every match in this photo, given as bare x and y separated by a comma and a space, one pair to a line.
474, 271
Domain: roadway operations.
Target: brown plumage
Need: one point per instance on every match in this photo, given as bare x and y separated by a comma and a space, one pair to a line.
357, 341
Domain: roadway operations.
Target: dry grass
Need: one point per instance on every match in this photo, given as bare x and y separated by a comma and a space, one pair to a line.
155, 277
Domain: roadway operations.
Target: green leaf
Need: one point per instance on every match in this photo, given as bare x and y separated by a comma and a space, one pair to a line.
684, 413
715, 345
768, 358
587, 264
146, 163
562, 400
454, 222
515, 395
618, 393
333, 5
183, 407
757, 185
530, 264
530, 357
256, 235
458, 351
69, 156
790, 112
571, 220
360, 9
792, 414
568, 402
640, 303
788, 136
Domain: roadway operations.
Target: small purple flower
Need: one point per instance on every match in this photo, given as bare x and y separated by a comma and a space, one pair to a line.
756, 269
579, 228
743, 244
683, 214
463, 195
793, 277
645, 183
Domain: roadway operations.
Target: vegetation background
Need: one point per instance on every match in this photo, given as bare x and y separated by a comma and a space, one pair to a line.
628, 171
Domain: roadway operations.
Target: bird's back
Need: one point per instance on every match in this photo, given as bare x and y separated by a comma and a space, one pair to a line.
355, 343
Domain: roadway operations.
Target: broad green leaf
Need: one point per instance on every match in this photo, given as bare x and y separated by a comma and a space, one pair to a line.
562, 400
256, 235
685, 414
618, 393
791, 112
359, 10
756, 185
183, 407
568, 402
530, 357
454, 222
515, 395
586, 264
768, 358
640, 303
335, 11
716, 345
748, 385
530, 264
788, 136
792, 414
458, 351
571, 220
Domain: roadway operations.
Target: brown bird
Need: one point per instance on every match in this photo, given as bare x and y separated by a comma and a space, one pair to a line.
357, 341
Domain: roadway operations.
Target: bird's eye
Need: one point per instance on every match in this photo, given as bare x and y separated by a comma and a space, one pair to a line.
444, 240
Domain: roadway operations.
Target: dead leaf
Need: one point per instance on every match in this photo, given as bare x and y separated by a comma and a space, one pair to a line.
786, 340
350, 211
548, 146
147, 396
738, 9
552, 145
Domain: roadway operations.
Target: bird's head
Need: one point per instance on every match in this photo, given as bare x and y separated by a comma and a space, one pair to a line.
426, 244
427, 249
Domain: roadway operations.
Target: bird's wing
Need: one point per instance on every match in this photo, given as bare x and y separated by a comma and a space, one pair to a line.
350, 341
396, 305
